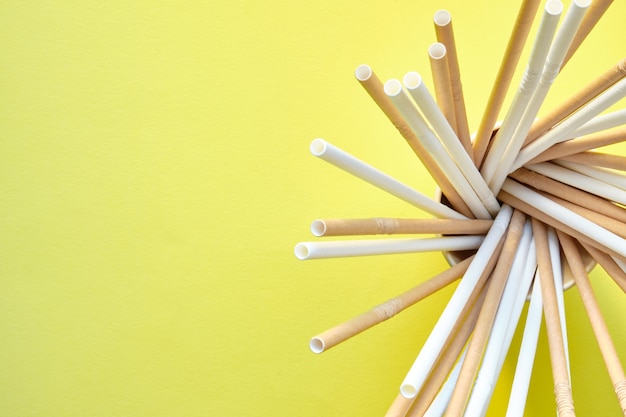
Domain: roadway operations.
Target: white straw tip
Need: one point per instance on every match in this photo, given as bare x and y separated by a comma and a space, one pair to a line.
318, 227
582, 3
302, 251
408, 391
363, 72
316, 345
554, 7
412, 80
442, 17
318, 147
437, 50
393, 87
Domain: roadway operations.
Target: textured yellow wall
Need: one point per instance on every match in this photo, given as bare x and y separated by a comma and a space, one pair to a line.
155, 176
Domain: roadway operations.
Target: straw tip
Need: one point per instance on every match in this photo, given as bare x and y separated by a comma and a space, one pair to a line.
582, 3
393, 87
442, 17
412, 80
437, 50
301, 251
363, 72
554, 7
408, 391
317, 345
318, 227
318, 146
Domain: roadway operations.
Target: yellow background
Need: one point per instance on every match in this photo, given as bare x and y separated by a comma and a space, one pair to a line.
155, 177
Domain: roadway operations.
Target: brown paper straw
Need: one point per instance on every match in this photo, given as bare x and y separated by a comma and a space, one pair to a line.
374, 87
388, 309
608, 264
598, 159
439, 68
445, 35
375, 226
399, 407
584, 143
517, 40
560, 374
569, 193
487, 315
577, 100
592, 16
600, 329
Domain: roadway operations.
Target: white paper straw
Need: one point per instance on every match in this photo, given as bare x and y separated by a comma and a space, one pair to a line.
526, 358
584, 226
346, 248
557, 274
564, 130
578, 180
619, 262
506, 145
341, 159
499, 342
427, 104
601, 122
400, 98
429, 353
438, 407
614, 178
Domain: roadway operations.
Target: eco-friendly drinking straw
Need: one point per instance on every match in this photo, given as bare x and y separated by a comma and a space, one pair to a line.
445, 35
400, 98
609, 265
442, 400
600, 123
557, 275
600, 219
598, 325
510, 59
505, 145
391, 226
598, 159
425, 360
374, 87
609, 177
388, 309
341, 159
439, 68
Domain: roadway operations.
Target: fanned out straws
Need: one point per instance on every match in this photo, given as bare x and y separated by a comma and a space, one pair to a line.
525, 205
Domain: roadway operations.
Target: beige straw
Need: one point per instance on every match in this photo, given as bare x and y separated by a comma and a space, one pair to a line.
389, 226
598, 159
608, 264
374, 87
388, 309
592, 16
560, 374
486, 317
600, 329
517, 40
400, 406
441, 79
445, 35
576, 101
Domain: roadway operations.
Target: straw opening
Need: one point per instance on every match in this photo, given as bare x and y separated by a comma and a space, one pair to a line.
582, 3
554, 7
318, 147
363, 72
301, 251
318, 228
393, 87
408, 391
412, 80
442, 17
316, 345
437, 50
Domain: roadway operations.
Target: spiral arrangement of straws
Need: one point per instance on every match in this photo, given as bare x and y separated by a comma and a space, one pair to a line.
525, 206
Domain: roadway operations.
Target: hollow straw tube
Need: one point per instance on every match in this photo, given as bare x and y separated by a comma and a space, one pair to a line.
425, 101
441, 401
390, 226
601, 123
425, 360
341, 159
564, 130
609, 177
438, 58
598, 159
347, 248
504, 146
609, 264
526, 357
393, 88
557, 274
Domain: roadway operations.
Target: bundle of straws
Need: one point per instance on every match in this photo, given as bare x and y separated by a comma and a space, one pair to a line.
525, 208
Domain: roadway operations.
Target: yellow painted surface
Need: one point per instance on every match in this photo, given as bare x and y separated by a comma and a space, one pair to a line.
155, 176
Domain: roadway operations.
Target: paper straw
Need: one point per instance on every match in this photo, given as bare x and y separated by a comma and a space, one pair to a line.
403, 103
347, 248
526, 357
399, 407
425, 360
441, 79
610, 177
581, 181
598, 159
388, 309
557, 275
609, 265
593, 15
577, 100
442, 400
581, 144
560, 375
569, 193
343, 160
600, 329
560, 132
615, 226
375, 226
498, 343
486, 317
374, 87
506, 144
425, 101
445, 35
601, 123
510, 59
